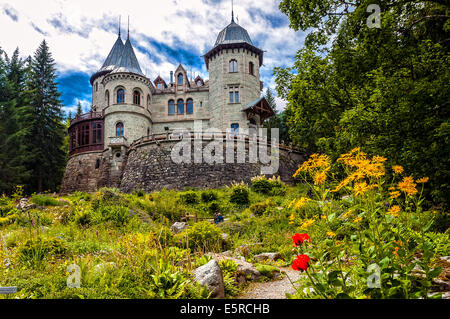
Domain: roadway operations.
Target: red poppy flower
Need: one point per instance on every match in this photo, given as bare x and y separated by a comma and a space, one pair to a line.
301, 263
300, 238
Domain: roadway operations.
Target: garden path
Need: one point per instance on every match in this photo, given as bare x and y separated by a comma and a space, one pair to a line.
276, 289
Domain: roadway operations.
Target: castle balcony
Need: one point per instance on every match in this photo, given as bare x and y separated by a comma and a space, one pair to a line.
86, 133
88, 116
118, 142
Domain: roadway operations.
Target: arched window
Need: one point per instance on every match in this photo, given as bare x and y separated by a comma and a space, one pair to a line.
235, 129
171, 107
136, 98
148, 101
180, 104
189, 106
119, 129
251, 68
233, 66
107, 97
121, 96
180, 79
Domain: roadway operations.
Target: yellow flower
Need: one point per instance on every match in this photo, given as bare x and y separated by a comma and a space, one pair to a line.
380, 159
408, 186
330, 234
291, 219
323, 217
397, 169
319, 178
360, 188
308, 223
357, 219
301, 203
347, 214
394, 194
292, 203
423, 180
394, 210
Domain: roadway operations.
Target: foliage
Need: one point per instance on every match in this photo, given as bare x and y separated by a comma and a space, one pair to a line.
209, 196
202, 236
239, 194
384, 89
43, 200
189, 197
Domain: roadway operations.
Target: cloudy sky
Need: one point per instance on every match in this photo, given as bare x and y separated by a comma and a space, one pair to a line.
81, 33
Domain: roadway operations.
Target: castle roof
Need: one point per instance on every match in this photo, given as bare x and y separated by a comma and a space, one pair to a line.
114, 56
128, 61
233, 33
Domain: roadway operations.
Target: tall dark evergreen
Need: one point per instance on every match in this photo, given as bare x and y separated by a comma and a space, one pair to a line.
79, 110
278, 121
46, 131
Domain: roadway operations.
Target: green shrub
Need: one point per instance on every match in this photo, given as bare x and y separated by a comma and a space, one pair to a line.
214, 207
228, 266
202, 236
139, 192
189, 197
209, 196
202, 260
258, 208
261, 185
83, 217
240, 195
43, 200
34, 251
119, 215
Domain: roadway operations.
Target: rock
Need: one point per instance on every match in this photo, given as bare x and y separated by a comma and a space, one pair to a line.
24, 205
103, 266
446, 258
211, 276
446, 295
443, 285
178, 227
267, 256
246, 269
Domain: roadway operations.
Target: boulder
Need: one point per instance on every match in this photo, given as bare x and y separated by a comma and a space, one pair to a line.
267, 256
24, 205
178, 227
210, 275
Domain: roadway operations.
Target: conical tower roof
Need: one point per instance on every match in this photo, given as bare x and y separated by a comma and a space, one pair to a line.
113, 59
233, 33
128, 61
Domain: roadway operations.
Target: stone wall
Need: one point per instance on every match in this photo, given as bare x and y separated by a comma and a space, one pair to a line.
150, 168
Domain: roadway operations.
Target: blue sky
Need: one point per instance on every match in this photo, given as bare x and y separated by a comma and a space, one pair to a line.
80, 34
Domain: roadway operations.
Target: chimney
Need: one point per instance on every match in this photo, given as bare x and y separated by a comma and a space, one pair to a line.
171, 77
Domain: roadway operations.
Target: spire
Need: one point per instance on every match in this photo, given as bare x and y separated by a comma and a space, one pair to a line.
119, 25
128, 27
232, 11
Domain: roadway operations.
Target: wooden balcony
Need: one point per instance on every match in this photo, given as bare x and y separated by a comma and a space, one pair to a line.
88, 116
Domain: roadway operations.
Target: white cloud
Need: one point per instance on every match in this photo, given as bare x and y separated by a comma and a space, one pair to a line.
82, 40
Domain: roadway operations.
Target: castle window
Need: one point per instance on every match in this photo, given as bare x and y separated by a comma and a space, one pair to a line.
120, 96
136, 98
189, 106
233, 66
235, 129
148, 101
97, 133
171, 107
180, 105
97, 164
160, 86
199, 83
96, 86
234, 94
84, 135
107, 97
119, 129
251, 68
180, 79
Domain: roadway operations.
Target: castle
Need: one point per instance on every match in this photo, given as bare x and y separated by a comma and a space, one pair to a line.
129, 111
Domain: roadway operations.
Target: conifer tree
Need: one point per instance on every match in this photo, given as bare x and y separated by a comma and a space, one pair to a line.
46, 131
79, 110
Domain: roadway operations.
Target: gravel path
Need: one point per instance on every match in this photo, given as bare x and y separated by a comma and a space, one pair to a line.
276, 289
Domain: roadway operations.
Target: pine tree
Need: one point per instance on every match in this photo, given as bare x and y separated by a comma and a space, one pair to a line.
277, 121
271, 100
79, 110
46, 129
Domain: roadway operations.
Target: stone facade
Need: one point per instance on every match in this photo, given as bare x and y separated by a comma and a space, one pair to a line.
127, 107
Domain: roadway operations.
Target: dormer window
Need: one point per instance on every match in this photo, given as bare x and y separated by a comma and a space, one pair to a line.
233, 66
180, 79
199, 83
160, 86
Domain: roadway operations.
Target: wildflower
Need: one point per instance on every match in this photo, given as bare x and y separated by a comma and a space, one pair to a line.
394, 194
319, 178
292, 203
323, 217
396, 250
394, 210
308, 223
301, 203
357, 220
397, 169
423, 180
347, 214
377, 158
301, 263
300, 238
360, 188
408, 186
331, 234
291, 219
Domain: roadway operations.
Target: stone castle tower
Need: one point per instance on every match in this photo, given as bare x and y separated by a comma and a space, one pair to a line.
127, 107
